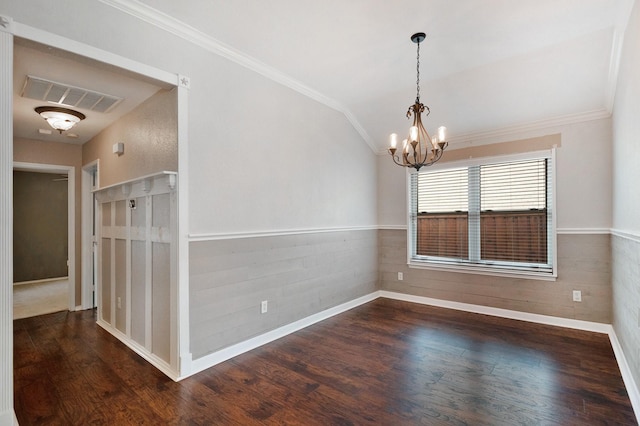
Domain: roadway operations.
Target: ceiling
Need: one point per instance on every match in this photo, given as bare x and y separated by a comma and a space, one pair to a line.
486, 65
36, 60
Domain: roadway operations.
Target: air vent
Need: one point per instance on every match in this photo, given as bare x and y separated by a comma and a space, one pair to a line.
50, 91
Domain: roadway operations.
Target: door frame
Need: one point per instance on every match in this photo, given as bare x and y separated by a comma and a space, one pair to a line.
9, 29
70, 172
88, 233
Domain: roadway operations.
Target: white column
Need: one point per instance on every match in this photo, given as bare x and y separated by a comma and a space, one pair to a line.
6, 221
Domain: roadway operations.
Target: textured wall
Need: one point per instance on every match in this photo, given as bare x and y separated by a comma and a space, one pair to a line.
626, 298
40, 229
626, 198
583, 264
150, 137
299, 275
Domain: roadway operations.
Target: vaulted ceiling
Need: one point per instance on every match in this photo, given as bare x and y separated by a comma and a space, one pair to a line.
486, 65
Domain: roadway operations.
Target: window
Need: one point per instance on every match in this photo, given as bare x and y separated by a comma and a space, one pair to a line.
486, 216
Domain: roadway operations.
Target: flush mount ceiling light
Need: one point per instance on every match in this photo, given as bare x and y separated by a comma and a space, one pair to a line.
61, 119
419, 149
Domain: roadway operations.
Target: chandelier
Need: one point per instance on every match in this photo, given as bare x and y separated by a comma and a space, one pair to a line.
419, 149
59, 118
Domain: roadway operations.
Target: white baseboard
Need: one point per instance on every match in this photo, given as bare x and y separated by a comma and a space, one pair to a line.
222, 355
152, 359
627, 377
42, 281
8, 418
502, 313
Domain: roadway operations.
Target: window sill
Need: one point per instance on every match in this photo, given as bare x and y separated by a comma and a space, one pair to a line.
483, 270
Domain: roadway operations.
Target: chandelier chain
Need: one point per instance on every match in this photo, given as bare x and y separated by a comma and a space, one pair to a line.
418, 76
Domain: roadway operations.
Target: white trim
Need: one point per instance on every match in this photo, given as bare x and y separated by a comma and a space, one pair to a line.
45, 280
629, 235
627, 377
181, 238
518, 129
393, 227
186, 32
478, 269
70, 171
275, 233
583, 231
499, 312
87, 214
163, 78
154, 360
222, 355
150, 177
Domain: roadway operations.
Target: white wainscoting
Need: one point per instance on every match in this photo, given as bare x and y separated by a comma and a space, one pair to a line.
137, 289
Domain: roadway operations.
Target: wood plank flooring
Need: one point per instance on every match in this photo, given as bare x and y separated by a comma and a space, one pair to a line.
383, 363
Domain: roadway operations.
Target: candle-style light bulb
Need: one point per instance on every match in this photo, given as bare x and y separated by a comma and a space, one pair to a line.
442, 134
413, 133
393, 143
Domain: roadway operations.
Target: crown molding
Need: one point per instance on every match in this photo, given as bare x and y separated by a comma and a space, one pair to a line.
491, 136
178, 28
561, 120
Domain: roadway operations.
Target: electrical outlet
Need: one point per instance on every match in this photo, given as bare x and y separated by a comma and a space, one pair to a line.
263, 307
577, 296
119, 303
400, 276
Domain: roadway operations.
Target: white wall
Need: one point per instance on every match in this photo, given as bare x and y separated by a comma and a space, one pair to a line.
626, 133
262, 156
584, 177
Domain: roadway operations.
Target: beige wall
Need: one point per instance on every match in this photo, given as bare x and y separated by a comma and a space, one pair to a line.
583, 264
150, 137
583, 167
583, 209
626, 198
61, 154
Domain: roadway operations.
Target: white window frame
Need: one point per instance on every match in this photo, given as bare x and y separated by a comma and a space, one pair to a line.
485, 269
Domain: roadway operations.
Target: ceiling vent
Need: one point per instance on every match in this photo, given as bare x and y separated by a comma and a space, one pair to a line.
58, 93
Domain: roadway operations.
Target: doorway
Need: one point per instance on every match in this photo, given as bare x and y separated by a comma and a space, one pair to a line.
44, 254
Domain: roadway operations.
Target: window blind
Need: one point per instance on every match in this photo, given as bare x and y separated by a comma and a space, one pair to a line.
497, 214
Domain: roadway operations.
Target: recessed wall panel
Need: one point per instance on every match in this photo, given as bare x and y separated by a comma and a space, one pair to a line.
105, 281
121, 285
160, 311
138, 283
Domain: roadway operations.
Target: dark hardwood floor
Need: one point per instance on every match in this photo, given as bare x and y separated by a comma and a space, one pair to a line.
384, 363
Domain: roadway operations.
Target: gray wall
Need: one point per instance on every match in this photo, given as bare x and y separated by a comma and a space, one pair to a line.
583, 264
298, 275
626, 198
40, 227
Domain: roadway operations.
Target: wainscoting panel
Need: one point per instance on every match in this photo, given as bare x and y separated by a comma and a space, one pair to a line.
298, 275
626, 297
138, 268
583, 264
